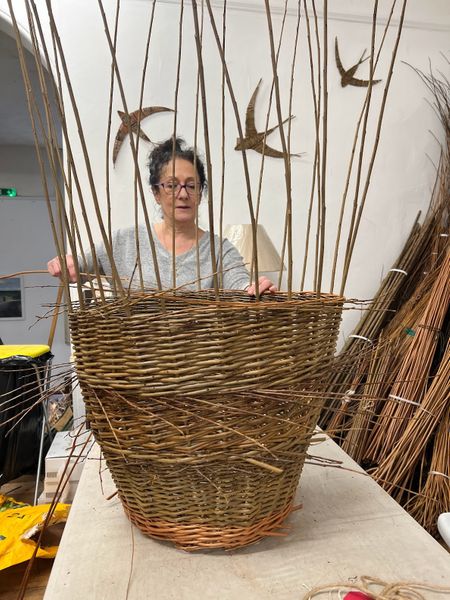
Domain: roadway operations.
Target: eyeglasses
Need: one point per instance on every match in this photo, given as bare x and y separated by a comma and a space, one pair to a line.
175, 188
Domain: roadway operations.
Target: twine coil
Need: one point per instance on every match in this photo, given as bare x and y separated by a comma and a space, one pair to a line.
377, 589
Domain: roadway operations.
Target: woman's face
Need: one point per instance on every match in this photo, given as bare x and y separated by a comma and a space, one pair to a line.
178, 192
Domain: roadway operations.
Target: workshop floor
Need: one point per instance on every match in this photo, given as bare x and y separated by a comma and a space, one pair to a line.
22, 489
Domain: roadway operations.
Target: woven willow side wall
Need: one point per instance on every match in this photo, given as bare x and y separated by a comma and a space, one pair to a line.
192, 344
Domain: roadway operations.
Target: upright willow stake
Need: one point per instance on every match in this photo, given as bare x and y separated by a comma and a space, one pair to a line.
198, 45
350, 248
317, 111
31, 109
197, 106
108, 129
287, 160
138, 137
133, 147
222, 150
85, 152
323, 206
174, 138
291, 95
352, 156
364, 126
241, 135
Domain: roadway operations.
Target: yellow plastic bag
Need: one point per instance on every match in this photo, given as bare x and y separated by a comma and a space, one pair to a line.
19, 529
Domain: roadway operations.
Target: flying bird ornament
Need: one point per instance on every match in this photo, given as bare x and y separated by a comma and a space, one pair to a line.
255, 140
131, 124
347, 75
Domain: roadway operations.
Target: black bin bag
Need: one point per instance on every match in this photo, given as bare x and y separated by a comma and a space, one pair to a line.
21, 414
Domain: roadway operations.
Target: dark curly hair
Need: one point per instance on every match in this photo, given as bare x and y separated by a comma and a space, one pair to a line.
163, 154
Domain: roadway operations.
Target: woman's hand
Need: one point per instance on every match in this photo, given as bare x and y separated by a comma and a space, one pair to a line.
264, 285
54, 268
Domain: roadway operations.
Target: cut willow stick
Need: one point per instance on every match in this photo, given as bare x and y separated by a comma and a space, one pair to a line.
354, 233
241, 135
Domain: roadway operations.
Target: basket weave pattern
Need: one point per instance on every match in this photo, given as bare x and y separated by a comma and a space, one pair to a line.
202, 409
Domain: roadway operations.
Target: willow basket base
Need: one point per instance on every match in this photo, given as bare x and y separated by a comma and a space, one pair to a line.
204, 537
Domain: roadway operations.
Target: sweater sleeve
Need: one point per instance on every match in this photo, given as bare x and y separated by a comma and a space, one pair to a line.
235, 275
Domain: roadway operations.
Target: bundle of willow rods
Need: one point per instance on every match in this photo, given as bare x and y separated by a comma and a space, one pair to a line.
397, 469
434, 496
411, 382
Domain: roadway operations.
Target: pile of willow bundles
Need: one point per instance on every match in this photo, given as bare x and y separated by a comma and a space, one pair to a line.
404, 282
409, 388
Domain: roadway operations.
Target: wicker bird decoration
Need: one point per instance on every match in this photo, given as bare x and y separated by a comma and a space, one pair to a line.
255, 140
131, 124
347, 75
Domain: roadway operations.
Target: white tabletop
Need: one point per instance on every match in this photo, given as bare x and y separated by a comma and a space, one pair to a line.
348, 527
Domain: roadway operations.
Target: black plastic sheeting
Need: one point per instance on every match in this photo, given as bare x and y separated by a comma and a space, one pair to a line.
19, 434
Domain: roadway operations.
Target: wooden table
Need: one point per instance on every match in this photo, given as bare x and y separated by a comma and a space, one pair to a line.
348, 527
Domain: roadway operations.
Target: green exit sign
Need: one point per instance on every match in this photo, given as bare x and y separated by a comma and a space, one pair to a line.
11, 192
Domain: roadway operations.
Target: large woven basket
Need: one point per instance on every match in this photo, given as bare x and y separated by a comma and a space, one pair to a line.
204, 409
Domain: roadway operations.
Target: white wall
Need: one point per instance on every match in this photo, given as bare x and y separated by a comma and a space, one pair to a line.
403, 175
26, 243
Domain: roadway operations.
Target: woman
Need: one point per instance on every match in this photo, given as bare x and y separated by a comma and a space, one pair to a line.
177, 179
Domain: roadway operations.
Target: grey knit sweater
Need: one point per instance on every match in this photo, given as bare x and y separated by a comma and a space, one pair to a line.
235, 275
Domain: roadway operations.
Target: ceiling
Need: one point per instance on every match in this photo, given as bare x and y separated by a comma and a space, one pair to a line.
15, 128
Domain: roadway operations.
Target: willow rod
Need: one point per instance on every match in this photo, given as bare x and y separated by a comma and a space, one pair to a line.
222, 144
108, 129
31, 108
316, 163
61, 113
287, 159
136, 169
174, 137
323, 205
291, 95
132, 146
366, 110
264, 140
198, 45
196, 123
241, 135
349, 251
85, 152
352, 156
